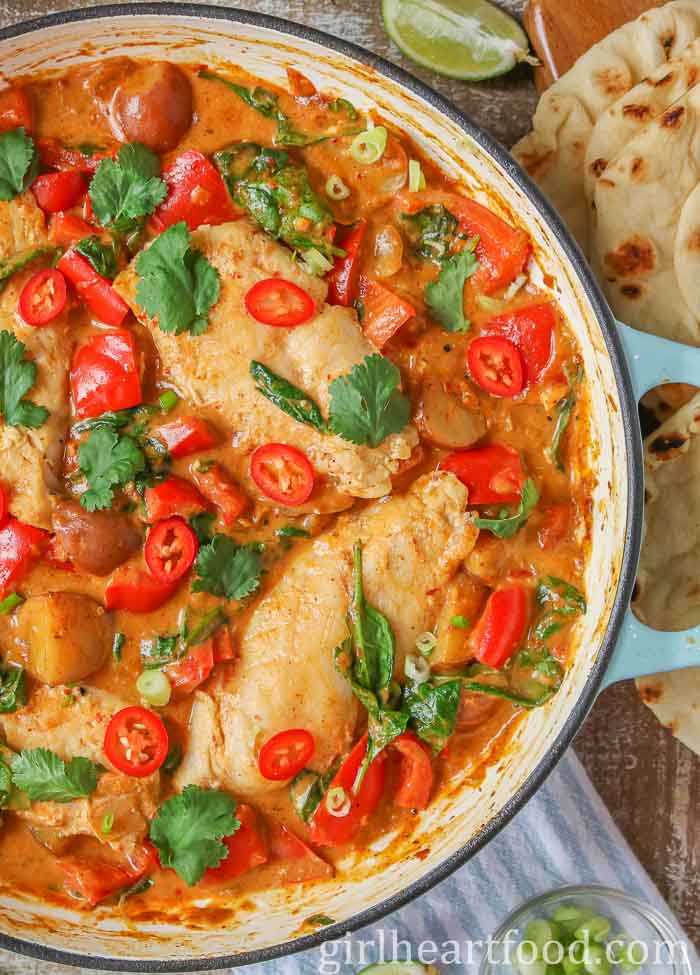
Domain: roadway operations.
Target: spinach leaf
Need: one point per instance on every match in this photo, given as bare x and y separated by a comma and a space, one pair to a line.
287, 397
507, 525
564, 601
564, 408
432, 709
432, 232
13, 689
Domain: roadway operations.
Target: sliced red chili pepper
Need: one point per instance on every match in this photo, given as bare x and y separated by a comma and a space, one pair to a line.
174, 496
218, 487
283, 473
20, 547
136, 591
43, 297
278, 302
493, 473
285, 754
415, 772
496, 365
196, 194
171, 548
247, 849
382, 312
343, 279
329, 830
223, 645
104, 374
65, 229
94, 290
59, 191
186, 435
532, 329
15, 109
4, 506
186, 674
136, 742
501, 627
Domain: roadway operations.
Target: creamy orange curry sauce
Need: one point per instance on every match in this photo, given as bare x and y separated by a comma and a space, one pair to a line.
292, 515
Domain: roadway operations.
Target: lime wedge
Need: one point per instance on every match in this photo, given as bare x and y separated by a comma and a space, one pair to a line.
467, 39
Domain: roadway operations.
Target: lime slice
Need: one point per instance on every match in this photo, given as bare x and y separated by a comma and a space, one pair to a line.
467, 39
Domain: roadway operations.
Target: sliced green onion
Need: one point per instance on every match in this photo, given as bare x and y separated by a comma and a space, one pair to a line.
315, 263
168, 400
460, 622
426, 643
336, 188
338, 802
417, 669
416, 179
154, 687
368, 147
107, 823
10, 602
118, 646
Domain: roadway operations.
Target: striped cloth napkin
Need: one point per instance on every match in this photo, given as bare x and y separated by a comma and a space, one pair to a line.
564, 835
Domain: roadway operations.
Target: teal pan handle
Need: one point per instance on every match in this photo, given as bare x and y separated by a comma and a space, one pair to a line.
641, 650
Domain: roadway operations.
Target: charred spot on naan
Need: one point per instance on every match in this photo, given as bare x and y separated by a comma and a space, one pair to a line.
632, 291
634, 256
598, 167
639, 168
641, 113
665, 447
673, 118
612, 81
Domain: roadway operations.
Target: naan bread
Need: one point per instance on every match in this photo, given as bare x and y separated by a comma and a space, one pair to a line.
668, 584
554, 152
639, 201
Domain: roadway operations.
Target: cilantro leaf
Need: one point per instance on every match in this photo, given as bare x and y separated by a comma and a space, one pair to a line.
505, 526
287, 397
101, 256
225, 568
432, 232
13, 689
18, 163
445, 296
128, 188
46, 777
177, 283
189, 828
366, 405
17, 376
107, 460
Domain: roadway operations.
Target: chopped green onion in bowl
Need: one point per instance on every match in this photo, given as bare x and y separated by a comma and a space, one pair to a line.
154, 687
368, 147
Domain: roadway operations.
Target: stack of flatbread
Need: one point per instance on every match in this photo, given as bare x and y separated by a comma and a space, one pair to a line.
615, 146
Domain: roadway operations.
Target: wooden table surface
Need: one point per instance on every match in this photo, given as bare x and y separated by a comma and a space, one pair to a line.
650, 783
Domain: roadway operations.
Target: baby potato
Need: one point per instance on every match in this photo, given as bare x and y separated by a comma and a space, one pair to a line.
465, 598
68, 636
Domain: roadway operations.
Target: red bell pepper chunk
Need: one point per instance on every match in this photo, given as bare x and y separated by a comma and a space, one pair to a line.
196, 194
15, 110
503, 250
20, 547
218, 487
501, 627
94, 290
329, 830
297, 862
186, 674
383, 312
344, 278
415, 772
104, 374
174, 496
95, 880
66, 229
59, 191
493, 474
53, 155
186, 435
135, 590
247, 849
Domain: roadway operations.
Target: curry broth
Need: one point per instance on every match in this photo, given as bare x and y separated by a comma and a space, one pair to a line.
71, 108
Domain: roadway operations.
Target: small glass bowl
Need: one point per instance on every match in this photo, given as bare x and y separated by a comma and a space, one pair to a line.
631, 918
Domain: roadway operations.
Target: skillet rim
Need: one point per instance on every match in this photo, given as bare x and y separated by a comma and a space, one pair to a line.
635, 484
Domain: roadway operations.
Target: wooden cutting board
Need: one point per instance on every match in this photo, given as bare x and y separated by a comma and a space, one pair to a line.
563, 30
